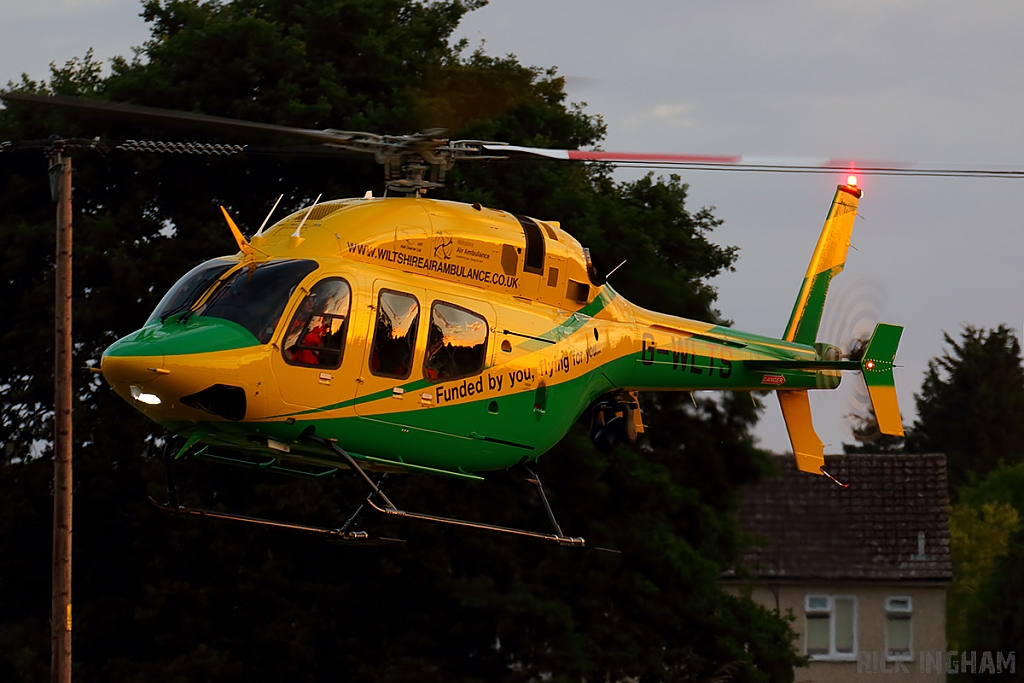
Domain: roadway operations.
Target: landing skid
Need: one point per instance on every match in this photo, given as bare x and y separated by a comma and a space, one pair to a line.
333, 535
385, 506
376, 500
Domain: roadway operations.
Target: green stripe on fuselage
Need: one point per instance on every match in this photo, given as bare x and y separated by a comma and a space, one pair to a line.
499, 431
492, 433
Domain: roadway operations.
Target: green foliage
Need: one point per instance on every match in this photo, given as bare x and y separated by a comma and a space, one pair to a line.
190, 600
969, 408
996, 621
976, 539
984, 600
970, 405
1003, 486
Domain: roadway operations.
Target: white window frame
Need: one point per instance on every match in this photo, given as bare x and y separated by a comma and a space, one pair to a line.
890, 610
832, 655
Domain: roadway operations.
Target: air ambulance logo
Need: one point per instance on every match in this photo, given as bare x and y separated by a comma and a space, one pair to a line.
443, 246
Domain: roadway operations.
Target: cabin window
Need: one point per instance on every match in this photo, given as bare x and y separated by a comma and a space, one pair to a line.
456, 343
316, 333
831, 631
394, 336
898, 632
189, 288
255, 296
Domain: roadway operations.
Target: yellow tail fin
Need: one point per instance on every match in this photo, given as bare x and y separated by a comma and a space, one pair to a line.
827, 261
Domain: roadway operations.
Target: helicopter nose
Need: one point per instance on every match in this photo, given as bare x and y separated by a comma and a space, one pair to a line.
136, 361
129, 365
187, 371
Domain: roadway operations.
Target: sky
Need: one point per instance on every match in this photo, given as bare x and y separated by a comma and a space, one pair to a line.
903, 80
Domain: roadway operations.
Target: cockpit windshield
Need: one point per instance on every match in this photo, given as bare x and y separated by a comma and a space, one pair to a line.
255, 296
189, 288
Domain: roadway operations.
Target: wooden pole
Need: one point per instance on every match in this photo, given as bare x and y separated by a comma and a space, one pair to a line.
60, 614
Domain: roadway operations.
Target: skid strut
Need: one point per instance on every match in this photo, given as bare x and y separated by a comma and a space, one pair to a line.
379, 502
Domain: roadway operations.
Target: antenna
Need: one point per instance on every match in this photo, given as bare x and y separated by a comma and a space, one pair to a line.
614, 269
259, 233
303, 222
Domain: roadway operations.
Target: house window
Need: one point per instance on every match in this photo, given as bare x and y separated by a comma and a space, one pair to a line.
898, 631
831, 626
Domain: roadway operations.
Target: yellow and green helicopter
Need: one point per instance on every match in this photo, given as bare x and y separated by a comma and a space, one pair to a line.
403, 334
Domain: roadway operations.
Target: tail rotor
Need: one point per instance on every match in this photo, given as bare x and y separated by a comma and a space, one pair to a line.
858, 307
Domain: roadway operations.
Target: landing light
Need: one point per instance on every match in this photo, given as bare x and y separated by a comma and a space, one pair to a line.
142, 397
870, 365
852, 181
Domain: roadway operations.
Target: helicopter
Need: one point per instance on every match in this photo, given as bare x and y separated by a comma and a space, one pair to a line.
404, 334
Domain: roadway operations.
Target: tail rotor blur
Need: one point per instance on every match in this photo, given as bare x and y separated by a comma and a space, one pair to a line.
859, 305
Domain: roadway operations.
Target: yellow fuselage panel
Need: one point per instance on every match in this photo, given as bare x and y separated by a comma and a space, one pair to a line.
445, 241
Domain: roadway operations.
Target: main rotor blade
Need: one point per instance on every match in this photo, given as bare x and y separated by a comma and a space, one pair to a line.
768, 164
179, 119
433, 150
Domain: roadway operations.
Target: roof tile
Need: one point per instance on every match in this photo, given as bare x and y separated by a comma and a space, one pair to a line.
806, 527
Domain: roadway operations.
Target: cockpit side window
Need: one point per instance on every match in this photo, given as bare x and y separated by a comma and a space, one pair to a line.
394, 335
255, 296
456, 343
189, 288
316, 334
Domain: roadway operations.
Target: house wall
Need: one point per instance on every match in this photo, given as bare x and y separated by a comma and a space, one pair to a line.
928, 624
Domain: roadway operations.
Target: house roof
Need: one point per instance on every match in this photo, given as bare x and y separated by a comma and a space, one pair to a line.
806, 527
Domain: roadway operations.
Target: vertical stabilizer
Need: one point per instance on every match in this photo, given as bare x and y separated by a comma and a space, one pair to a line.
828, 260
876, 367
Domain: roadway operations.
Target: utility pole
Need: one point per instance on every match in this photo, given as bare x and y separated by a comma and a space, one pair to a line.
60, 611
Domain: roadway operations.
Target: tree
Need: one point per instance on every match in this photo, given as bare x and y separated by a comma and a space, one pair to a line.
970, 404
216, 602
996, 620
969, 409
986, 544
976, 539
